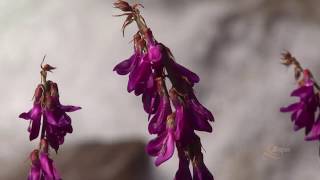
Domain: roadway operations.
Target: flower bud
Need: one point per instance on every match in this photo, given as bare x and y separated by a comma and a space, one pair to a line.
44, 146
47, 67
34, 156
38, 93
122, 5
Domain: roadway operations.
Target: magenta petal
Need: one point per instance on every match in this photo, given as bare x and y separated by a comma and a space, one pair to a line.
48, 167
57, 117
155, 145
139, 75
183, 172
201, 172
69, 108
34, 173
34, 115
191, 76
199, 109
292, 107
126, 66
314, 134
35, 129
154, 53
150, 102
158, 121
302, 91
167, 149
180, 121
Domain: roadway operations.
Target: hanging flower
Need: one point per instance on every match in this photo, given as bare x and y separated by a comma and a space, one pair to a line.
173, 116
304, 111
42, 166
49, 115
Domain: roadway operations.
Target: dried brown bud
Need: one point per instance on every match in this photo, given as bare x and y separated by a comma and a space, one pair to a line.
47, 67
287, 59
123, 5
297, 73
34, 155
127, 22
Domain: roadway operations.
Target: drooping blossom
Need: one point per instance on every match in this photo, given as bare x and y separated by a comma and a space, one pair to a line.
304, 111
174, 115
47, 107
42, 166
47, 118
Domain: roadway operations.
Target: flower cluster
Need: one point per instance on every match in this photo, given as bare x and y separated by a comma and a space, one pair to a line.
48, 112
175, 114
42, 167
304, 111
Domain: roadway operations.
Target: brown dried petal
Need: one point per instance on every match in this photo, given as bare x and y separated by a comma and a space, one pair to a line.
47, 67
122, 5
127, 22
297, 73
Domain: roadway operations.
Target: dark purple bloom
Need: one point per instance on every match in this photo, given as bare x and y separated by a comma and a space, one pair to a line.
42, 167
157, 123
34, 115
200, 171
52, 115
198, 114
56, 123
314, 134
303, 112
183, 172
163, 146
149, 67
125, 67
138, 78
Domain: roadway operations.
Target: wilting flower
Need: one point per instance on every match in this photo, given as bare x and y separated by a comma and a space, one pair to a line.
200, 171
163, 146
183, 172
305, 110
174, 116
52, 115
42, 166
55, 120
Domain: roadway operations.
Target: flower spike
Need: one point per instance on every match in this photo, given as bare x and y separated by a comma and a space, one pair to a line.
47, 119
174, 114
304, 111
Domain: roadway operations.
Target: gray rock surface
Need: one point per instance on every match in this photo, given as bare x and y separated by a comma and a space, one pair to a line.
98, 161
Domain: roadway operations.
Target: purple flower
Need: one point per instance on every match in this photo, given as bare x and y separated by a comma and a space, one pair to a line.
42, 167
151, 65
34, 115
140, 75
183, 172
157, 123
52, 115
200, 171
56, 123
125, 67
198, 114
314, 134
303, 112
163, 146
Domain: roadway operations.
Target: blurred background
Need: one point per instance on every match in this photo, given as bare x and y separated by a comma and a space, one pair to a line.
234, 46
